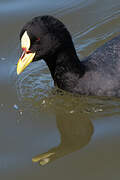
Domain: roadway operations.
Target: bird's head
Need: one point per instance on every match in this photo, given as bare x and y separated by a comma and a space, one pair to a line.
41, 38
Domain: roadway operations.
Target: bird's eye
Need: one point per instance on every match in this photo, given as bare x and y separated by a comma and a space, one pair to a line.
34, 40
38, 39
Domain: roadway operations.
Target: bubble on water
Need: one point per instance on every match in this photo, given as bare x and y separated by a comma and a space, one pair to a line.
72, 111
15, 106
21, 113
97, 110
43, 102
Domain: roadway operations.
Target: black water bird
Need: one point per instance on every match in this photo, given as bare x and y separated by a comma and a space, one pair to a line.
45, 37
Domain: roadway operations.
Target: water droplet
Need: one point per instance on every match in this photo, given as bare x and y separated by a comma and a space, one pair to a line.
16, 106
21, 113
71, 112
43, 102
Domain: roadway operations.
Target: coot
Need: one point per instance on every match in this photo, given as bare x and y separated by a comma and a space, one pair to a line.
47, 38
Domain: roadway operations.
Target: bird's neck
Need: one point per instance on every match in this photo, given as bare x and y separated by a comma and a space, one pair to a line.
65, 68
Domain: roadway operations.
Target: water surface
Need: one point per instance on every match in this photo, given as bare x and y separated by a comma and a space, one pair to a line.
48, 135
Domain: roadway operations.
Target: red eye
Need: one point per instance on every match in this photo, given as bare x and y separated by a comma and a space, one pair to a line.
38, 39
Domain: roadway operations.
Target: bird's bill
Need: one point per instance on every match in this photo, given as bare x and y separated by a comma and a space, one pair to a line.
24, 61
27, 56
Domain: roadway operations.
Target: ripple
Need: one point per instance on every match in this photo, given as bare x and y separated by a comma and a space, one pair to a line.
34, 82
96, 34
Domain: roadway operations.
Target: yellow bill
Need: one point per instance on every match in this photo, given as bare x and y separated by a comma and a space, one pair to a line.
27, 56
24, 62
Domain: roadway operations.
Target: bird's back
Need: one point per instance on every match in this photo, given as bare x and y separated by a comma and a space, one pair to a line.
102, 74
106, 57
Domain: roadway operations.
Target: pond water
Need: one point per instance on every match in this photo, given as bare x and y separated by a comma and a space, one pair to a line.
48, 135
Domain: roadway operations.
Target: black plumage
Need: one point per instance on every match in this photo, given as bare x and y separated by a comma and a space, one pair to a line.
98, 74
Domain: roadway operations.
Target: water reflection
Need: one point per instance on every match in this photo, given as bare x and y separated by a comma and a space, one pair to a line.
75, 130
73, 119
72, 113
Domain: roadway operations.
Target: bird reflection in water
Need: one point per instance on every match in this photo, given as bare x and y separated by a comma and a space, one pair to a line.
75, 130
72, 119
